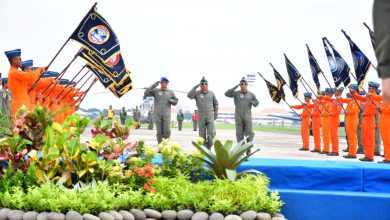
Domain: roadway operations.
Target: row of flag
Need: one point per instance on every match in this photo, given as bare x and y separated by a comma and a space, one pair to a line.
340, 70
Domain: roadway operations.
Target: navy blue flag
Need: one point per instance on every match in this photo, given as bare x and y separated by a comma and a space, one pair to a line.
280, 82
114, 68
372, 36
360, 61
273, 91
96, 34
119, 91
332, 65
293, 76
315, 70
107, 82
342, 66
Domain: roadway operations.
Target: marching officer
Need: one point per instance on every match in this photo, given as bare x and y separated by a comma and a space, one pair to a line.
163, 99
207, 105
243, 101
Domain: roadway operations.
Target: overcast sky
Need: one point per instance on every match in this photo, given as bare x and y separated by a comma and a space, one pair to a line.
184, 40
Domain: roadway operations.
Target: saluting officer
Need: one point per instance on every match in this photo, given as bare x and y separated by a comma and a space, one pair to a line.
207, 110
163, 99
243, 100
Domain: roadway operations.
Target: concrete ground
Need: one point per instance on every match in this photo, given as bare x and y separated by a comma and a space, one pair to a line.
272, 144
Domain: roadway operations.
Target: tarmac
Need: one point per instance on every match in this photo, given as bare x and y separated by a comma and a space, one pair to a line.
271, 144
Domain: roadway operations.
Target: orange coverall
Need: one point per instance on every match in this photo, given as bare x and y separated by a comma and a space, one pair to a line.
384, 125
352, 121
18, 82
334, 122
305, 124
316, 123
41, 85
326, 126
368, 125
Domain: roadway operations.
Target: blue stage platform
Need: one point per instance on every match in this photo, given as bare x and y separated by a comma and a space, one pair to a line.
323, 190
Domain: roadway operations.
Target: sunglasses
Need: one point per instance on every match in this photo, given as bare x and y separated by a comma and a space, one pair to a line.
243, 83
204, 84
164, 82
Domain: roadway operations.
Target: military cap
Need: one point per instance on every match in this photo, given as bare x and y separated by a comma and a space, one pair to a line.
373, 84
329, 90
4, 80
323, 93
27, 63
72, 83
203, 80
362, 92
307, 94
64, 81
353, 86
46, 75
164, 79
13, 53
378, 91
341, 89
243, 80
53, 74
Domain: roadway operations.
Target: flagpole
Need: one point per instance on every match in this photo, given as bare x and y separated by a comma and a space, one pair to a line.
40, 76
59, 101
292, 108
369, 97
66, 86
86, 91
313, 93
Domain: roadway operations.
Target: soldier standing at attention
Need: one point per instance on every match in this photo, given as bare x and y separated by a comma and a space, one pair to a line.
150, 119
6, 97
163, 99
207, 105
123, 115
243, 101
137, 117
180, 118
305, 122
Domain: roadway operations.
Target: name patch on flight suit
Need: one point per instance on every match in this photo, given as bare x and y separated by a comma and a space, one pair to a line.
160, 93
201, 96
242, 96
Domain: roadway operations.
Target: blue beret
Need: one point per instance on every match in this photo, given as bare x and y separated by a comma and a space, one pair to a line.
243, 80
373, 84
349, 95
4, 80
53, 74
164, 79
353, 86
341, 89
329, 90
13, 53
307, 94
27, 63
46, 75
323, 93
362, 92
378, 91
72, 83
64, 81
203, 80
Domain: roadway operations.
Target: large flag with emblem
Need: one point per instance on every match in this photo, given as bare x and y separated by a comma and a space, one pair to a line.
280, 82
372, 36
332, 65
360, 61
342, 66
273, 91
315, 70
96, 34
114, 68
293, 75
106, 81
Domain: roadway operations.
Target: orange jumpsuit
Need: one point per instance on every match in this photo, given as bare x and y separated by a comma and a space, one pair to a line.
334, 123
326, 126
352, 121
41, 85
368, 125
305, 124
384, 125
18, 82
316, 123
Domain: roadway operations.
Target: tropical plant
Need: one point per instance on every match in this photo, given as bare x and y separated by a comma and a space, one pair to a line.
224, 163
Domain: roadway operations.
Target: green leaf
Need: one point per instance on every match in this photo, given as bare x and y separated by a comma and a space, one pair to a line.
231, 174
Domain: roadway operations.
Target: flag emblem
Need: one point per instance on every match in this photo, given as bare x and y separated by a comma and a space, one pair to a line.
98, 34
114, 60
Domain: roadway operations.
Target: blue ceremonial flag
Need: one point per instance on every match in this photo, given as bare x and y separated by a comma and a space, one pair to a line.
114, 68
315, 70
332, 65
361, 62
293, 76
119, 91
273, 91
280, 83
372, 36
106, 81
97, 35
342, 66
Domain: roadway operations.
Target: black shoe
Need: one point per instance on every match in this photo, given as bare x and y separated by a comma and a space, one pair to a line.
346, 150
348, 156
360, 151
303, 149
384, 161
365, 159
323, 152
332, 154
315, 151
377, 154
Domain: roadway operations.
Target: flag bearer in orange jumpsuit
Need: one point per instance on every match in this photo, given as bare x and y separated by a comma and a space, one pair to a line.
368, 121
19, 81
384, 126
334, 120
326, 121
317, 110
305, 122
352, 121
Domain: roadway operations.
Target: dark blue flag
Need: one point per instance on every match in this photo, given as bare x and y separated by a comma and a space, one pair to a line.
293, 76
315, 70
280, 82
273, 91
342, 66
372, 36
360, 61
106, 81
332, 65
96, 34
114, 68
119, 91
